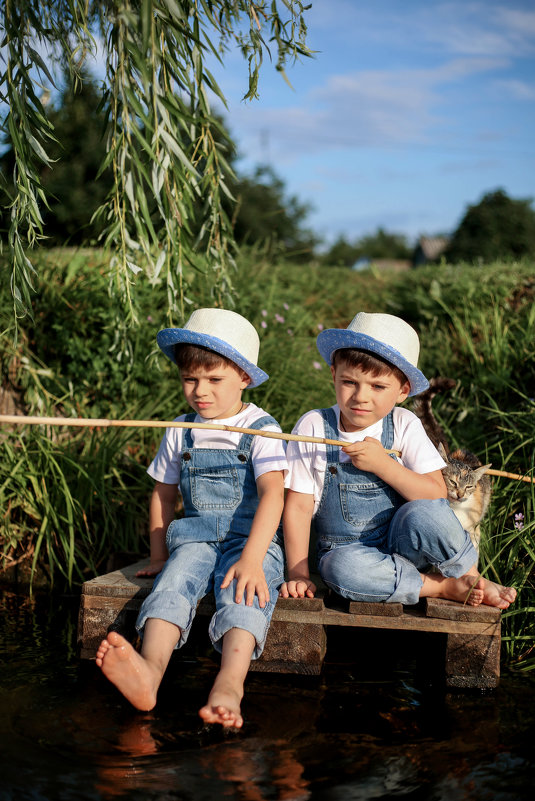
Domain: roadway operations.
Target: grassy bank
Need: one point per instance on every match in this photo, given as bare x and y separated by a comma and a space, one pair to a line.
69, 499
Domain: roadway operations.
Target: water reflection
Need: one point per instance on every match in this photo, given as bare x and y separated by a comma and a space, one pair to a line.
373, 726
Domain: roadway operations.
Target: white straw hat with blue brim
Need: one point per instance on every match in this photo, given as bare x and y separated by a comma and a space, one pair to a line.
383, 335
225, 332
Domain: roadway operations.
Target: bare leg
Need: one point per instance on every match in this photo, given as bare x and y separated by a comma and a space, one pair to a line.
138, 676
223, 705
471, 589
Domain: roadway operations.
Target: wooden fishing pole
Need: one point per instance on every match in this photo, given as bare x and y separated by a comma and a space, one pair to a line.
96, 422
88, 422
505, 474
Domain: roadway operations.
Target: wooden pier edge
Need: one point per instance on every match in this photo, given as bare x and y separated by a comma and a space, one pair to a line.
297, 638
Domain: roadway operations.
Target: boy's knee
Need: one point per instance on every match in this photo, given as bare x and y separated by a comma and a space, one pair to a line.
364, 573
429, 515
426, 528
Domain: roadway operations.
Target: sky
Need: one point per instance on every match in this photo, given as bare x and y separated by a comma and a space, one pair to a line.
408, 113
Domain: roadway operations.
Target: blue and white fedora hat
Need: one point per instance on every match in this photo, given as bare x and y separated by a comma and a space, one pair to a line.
222, 331
383, 335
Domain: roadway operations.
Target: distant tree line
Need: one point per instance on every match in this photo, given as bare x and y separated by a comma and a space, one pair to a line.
261, 211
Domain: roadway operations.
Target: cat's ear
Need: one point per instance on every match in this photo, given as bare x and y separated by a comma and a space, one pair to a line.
442, 450
479, 472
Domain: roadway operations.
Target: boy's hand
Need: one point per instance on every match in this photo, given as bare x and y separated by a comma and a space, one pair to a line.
153, 569
298, 588
367, 455
250, 580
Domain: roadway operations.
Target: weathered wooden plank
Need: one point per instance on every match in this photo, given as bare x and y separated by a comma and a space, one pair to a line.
473, 661
95, 622
450, 610
380, 609
408, 621
120, 583
315, 604
288, 650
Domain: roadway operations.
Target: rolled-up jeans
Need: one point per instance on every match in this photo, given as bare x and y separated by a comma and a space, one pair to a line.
196, 568
422, 535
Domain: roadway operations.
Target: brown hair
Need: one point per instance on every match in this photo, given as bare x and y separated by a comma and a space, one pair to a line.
196, 357
368, 363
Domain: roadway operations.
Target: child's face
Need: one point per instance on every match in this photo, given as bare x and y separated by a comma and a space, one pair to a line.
365, 398
214, 392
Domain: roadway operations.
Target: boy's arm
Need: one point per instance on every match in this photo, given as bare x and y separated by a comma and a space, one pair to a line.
297, 517
248, 571
370, 455
161, 514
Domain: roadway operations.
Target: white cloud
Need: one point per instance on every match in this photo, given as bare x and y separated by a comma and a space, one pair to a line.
519, 90
519, 24
367, 108
474, 28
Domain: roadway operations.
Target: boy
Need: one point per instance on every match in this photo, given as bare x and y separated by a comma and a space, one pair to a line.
232, 487
381, 522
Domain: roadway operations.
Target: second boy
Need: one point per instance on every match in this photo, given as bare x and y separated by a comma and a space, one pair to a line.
382, 523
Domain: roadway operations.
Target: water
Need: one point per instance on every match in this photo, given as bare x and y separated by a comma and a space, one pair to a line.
375, 728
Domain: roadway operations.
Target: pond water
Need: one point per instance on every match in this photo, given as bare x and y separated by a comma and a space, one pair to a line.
373, 728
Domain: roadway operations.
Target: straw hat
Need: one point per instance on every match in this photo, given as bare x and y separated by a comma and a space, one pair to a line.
222, 331
383, 335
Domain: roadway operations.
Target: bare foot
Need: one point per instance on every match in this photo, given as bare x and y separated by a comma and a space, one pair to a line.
496, 594
476, 590
129, 671
223, 706
466, 590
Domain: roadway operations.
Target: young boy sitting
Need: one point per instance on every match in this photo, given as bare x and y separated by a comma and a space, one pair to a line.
382, 522
232, 486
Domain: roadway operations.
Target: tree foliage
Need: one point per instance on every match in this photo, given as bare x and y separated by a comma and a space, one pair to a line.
497, 227
379, 245
73, 193
266, 214
164, 211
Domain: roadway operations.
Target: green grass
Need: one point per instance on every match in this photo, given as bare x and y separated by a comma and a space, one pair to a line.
70, 498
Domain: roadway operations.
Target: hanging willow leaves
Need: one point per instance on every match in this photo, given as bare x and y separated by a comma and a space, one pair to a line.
164, 214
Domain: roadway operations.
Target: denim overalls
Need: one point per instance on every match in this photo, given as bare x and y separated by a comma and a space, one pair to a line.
372, 544
220, 497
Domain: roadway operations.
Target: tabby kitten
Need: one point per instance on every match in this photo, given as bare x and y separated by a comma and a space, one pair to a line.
468, 486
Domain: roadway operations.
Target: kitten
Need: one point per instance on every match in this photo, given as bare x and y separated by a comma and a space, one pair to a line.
468, 486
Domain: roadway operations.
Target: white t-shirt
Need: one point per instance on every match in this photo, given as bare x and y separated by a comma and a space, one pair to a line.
307, 460
266, 454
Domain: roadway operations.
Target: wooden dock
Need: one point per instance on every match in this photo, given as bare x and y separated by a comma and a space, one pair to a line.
297, 639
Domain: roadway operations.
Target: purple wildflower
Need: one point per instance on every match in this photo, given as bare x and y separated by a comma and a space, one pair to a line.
316, 365
519, 521
279, 318
320, 326
263, 324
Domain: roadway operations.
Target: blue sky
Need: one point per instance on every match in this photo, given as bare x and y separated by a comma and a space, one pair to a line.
408, 112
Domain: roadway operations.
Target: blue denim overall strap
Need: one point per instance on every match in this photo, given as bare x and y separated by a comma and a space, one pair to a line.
218, 488
355, 504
